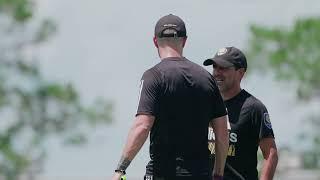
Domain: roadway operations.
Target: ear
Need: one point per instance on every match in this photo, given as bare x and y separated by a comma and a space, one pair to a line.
155, 42
184, 41
242, 71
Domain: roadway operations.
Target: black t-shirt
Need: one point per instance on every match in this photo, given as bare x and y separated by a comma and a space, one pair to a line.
250, 122
183, 98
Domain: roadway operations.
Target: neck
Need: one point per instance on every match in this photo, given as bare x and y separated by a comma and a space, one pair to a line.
230, 93
165, 52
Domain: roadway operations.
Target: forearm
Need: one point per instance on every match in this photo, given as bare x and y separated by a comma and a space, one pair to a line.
134, 143
136, 138
269, 166
219, 126
221, 150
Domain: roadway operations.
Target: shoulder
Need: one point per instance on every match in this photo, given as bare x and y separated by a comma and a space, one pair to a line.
198, 67
154, 71
258, 111
152, 76
200, 72
254, 103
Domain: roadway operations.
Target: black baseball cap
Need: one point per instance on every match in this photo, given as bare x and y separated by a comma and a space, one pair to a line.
170, 22
228, 56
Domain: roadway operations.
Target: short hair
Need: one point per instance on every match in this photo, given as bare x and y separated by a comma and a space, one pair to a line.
170, 33
171, 41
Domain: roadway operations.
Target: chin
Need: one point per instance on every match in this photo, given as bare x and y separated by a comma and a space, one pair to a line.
221, 88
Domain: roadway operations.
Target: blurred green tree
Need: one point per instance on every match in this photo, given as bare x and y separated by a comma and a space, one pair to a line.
33, 109
293, 55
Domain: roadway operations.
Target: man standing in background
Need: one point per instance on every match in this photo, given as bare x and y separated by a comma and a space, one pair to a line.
249, 119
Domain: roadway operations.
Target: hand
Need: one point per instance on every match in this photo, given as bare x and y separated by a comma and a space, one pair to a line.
116, 176
217, 177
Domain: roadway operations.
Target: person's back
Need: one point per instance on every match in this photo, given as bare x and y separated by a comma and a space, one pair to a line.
178, 99
178, 141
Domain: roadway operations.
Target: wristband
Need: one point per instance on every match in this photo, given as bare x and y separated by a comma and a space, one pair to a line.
123, 172
217, 177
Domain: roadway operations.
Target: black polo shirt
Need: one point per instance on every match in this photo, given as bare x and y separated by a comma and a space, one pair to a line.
183, 97
250, 122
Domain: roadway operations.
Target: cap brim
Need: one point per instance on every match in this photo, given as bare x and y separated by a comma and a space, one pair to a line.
218, 61
208, 62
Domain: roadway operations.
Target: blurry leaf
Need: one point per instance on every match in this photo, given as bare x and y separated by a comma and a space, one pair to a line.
3, 94
310, 160
31, 69
101, 111
15, 159
291, 54
75, 139
65, 93
32, 108
46, 30
21, 10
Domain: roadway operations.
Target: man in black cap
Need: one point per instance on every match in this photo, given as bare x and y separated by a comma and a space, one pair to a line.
178, 99
249, 120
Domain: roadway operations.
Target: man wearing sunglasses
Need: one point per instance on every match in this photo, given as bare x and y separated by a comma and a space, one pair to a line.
249, 120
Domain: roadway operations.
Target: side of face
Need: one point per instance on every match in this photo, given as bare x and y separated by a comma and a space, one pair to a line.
227, 78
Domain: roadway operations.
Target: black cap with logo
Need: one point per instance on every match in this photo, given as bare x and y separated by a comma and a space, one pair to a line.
228, 56
172, 22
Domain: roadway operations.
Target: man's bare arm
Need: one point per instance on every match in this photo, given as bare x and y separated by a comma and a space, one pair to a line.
137, 136
270, 155
220, 130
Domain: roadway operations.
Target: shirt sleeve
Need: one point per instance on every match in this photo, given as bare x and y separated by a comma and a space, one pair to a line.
219, 108
150, 92
262, 123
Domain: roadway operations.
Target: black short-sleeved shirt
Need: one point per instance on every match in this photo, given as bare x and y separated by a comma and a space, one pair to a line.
183, 98
250, 122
